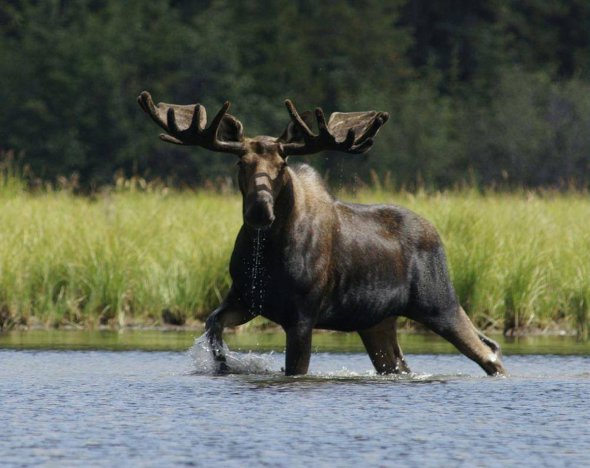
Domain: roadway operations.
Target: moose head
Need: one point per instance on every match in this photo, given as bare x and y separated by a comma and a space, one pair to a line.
263, 159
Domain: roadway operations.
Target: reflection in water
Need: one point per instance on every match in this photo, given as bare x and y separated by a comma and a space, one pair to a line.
280, 382
256, 340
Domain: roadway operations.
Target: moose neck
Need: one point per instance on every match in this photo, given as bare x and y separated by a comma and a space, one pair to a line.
285, 203
302, 200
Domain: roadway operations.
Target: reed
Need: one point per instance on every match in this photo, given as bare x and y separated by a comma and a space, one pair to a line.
519, 261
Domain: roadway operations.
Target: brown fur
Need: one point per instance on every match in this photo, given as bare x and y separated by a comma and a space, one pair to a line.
324, 263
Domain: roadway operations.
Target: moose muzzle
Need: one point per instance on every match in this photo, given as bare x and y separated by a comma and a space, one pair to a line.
259, 212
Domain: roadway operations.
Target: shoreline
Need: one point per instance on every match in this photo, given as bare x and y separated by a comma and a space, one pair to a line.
268, 327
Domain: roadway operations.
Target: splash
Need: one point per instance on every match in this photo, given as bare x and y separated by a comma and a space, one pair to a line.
202, 361
201, 353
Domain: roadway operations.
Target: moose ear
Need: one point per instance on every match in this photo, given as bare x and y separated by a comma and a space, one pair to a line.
230, 129
293, 133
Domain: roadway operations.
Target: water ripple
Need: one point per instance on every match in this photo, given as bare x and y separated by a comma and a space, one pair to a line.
138, 408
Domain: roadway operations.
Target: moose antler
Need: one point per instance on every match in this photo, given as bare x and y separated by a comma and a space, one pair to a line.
350, 132
185, 125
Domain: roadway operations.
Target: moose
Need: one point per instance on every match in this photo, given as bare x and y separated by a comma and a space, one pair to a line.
324, 264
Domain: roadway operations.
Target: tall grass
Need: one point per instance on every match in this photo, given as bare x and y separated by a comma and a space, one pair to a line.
123, 257
518, 260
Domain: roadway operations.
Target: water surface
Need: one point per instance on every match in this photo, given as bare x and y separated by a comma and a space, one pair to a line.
135, 408
181, 340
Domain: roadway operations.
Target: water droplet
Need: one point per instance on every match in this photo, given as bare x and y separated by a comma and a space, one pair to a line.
257, 274
238, 363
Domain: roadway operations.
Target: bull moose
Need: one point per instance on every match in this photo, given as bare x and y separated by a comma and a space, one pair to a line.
325, 264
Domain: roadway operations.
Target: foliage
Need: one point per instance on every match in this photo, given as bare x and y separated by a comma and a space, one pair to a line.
494, 92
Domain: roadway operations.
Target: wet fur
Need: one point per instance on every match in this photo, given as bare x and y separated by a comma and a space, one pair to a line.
343, 266
350, 267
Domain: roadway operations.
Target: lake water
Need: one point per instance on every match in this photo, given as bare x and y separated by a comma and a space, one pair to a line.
63, 407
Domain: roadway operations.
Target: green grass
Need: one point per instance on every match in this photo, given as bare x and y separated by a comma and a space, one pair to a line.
518, 261
121, 258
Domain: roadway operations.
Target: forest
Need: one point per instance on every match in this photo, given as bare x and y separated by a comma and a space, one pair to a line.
481, 93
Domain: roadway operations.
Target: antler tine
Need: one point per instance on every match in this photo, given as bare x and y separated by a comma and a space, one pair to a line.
194, 131
296, 118
372, 130
171, 119
224, 146
313, 143
147, 104
365, 142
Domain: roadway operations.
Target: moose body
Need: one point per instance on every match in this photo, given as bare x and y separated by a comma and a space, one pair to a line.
305, 260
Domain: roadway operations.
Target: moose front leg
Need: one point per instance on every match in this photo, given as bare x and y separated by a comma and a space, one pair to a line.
230, 313
298, 349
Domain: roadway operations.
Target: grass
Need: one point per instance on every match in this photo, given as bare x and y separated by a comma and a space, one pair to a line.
519, 261
123, 257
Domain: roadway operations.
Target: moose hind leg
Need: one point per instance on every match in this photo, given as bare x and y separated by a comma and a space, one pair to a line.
458, 329
495, 347
384, 351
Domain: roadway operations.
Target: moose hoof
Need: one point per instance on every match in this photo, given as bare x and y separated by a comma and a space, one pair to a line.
493, 365
222, 369
402, 367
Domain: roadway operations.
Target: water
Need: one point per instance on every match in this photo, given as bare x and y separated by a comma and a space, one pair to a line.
258, 274
136, 408
245, 340
239, 363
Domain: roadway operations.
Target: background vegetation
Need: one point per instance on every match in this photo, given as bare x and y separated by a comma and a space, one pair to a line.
496, 92
492, 95
142, 254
